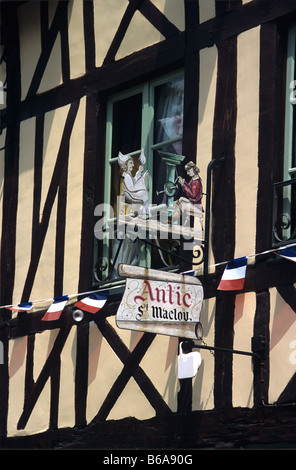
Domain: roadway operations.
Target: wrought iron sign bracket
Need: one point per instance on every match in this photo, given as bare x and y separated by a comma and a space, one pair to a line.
258, 348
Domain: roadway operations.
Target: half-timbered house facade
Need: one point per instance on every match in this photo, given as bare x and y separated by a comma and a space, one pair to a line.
202, 81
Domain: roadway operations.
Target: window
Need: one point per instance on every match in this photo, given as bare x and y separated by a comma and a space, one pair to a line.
290, 117
284, 226
148, 117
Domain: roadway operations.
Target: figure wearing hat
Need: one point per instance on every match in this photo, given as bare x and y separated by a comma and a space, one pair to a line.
191, 204
134, 188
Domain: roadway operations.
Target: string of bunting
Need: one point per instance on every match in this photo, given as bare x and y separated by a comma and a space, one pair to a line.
233, 278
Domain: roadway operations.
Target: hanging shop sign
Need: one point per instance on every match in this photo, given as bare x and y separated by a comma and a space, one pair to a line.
160, 302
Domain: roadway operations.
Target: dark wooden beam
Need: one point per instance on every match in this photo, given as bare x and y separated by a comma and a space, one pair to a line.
120, 33
158, 19
39, 235
223, 210
143, 381
89, 35
81, 374
189, 146
266, 428
59, 23
156, 57
10, 40
130, 366
238, 20
51, 362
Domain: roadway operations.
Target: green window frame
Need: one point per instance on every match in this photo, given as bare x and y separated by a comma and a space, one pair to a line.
284, 202
290, 107
147, 90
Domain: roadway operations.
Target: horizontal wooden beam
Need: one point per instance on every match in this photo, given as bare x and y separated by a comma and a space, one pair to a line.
237, 428
156, 57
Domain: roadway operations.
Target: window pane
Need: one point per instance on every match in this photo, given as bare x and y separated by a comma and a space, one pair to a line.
168, 124
127, 125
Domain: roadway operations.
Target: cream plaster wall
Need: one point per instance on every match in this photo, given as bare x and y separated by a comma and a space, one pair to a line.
76, 38
54, 126
39, 419
30, 48
203, 382
107, 15
140, 33
207, 10
206, 108
74, 203
245, 307
282, 345
159, 363
246, 146
30, 42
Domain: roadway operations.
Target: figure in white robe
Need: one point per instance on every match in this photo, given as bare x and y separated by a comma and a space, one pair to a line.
134, 188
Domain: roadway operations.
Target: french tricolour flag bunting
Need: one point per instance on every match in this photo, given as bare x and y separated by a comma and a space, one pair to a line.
24, 307
234, 275
93, 303
289, 253
56, 308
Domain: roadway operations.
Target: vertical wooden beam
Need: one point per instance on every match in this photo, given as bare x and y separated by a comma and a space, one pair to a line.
269, 126
38, 163
81, 374
191, 83
10, 40
223, 210
86, 254
89, 35
89, 187
40, 233
51, 363
190, 126
61, 233
261, 368
65, 52
268, 131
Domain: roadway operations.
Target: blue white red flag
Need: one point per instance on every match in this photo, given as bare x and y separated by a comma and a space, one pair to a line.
94, 302
23, 307
56, 308
234, 275
288, 253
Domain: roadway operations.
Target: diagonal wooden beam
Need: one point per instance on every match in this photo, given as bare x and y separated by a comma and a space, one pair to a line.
131, 368
51, 363
57, 23
158, 19
39, 236
120, 33
128, 370
288, 395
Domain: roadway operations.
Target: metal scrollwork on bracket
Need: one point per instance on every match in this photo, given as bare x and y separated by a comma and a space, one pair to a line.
284, 215
283, 222
100, 268
198, 255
